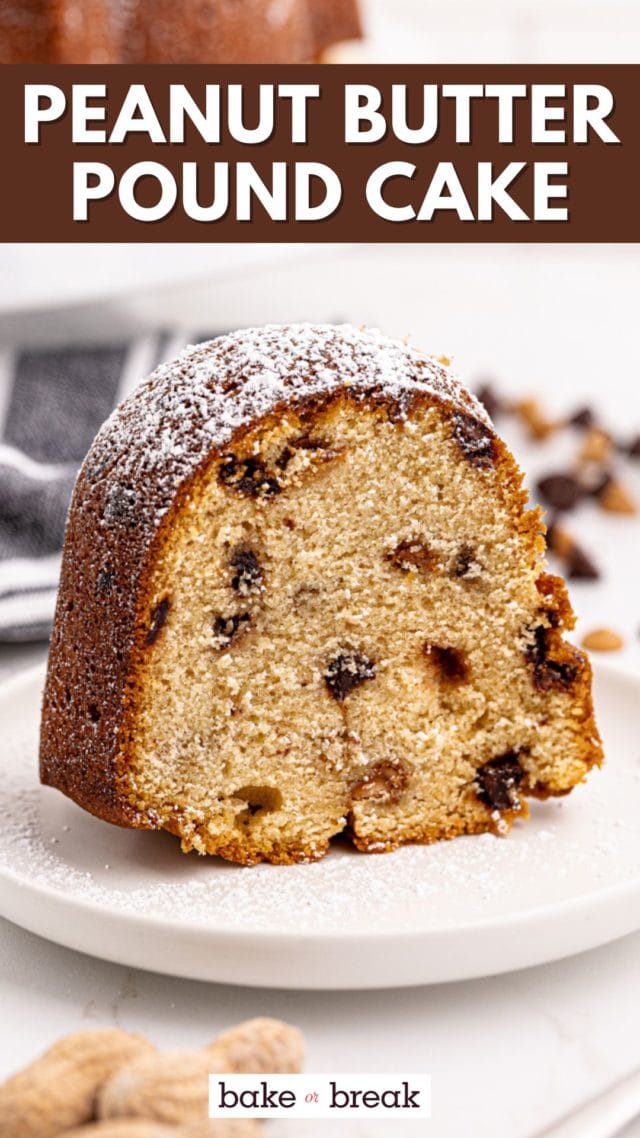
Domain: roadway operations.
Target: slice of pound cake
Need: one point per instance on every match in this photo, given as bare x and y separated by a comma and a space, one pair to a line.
301, 595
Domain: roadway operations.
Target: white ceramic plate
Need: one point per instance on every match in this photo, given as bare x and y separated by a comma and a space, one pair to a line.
567, 880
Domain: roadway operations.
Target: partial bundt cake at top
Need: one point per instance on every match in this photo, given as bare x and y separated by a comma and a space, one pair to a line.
161, 31
301, 595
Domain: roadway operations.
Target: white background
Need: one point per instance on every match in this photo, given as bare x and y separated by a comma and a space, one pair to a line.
507, 1054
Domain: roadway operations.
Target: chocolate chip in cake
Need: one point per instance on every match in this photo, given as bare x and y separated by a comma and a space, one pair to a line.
383, 782
249, 476
549, 674
475, 439
310, 442
158, 619
346, 672
633, 448
412, 554
104, 581
464, 563
498, 780
451, 663
247, 576
226, 628
323, 449
561, 491
284, 458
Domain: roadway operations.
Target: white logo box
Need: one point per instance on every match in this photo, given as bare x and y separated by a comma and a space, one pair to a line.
320, 1096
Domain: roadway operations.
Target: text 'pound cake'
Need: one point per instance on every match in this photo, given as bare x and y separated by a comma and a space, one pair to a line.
301, 595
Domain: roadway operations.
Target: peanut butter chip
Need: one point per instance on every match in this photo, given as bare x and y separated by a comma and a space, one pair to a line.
616, 500
596, 447
535, 420
602, 640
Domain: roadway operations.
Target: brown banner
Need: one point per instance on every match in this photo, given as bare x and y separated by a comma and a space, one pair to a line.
390, 153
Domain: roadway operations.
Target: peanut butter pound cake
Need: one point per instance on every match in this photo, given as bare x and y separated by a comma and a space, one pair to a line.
302, 595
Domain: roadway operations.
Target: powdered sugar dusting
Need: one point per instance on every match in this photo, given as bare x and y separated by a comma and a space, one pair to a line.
194, 404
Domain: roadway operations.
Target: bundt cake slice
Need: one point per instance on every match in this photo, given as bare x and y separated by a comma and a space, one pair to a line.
301, 596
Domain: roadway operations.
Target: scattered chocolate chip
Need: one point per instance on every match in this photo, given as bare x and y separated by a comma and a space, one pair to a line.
476, 441
498, 780
561, 491
633, 448
491, 401
583, 417
249, 476
464, 560
346, 672
549, 675
450, 662
226, 628
553, 530
382, 781
247, 571
579, 565
412, 554
158, 618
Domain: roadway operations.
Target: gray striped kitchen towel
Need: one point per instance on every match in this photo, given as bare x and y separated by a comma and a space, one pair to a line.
52, 402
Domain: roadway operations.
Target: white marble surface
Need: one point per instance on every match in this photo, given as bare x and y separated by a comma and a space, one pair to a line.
507, 1054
